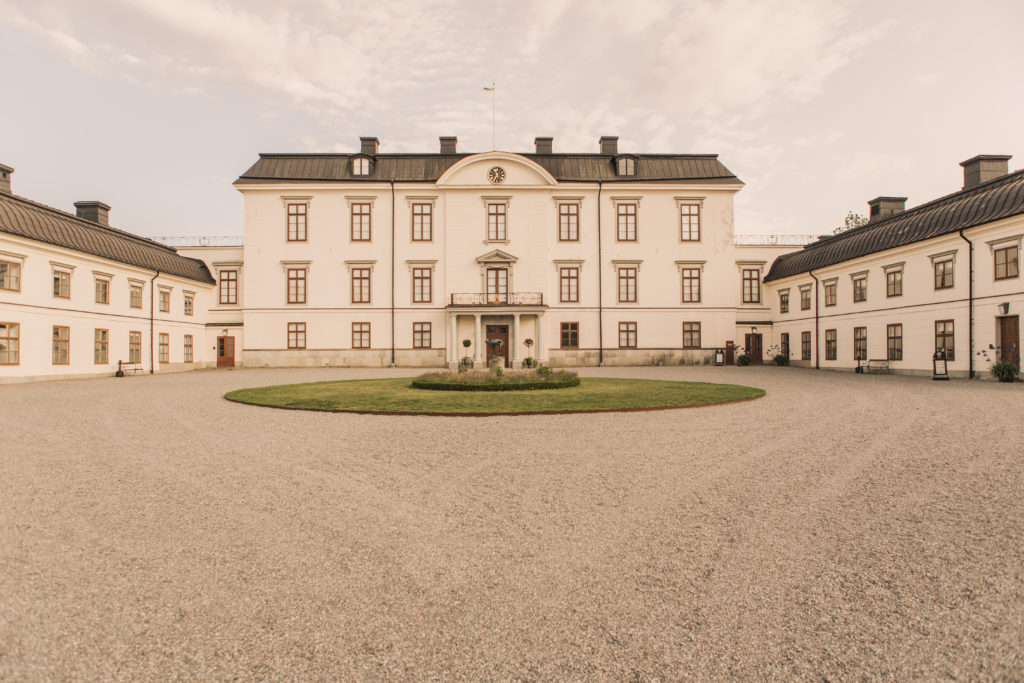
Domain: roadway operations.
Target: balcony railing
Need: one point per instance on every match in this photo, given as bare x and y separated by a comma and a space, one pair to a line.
493, 299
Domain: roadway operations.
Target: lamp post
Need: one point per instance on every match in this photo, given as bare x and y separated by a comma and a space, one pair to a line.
939, 368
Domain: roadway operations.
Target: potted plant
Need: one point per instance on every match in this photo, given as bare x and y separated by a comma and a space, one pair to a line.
466, 361
743, 359
1005, 370
529, 361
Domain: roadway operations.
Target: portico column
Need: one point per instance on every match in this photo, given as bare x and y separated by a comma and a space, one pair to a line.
478, 343
542, 354
453, 353
515, 342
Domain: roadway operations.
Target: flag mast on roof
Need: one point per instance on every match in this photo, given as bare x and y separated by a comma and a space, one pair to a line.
491, 90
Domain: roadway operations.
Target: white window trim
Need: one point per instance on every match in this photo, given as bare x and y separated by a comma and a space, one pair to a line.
410, 200
859, 274
64, 267
680, 265
894, 266
567, 263
993, 245
305, 264
11, 257
421, 263
360, 264
627, 263
749, 265
507, 201
944, 256
360, 199
307, 200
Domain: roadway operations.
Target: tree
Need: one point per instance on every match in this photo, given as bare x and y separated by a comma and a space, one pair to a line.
852, 220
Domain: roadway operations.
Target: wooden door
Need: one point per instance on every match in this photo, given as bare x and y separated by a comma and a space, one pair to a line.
753, 344
1009, 339
497, 286
498, 332
730, 353
225, 352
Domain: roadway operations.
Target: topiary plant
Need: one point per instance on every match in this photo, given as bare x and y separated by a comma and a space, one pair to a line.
1005, 370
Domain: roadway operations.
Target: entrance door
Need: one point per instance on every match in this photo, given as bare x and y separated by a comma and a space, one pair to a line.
1009, 339
730, 353
497, 286
499, 332
753, 344
225, 352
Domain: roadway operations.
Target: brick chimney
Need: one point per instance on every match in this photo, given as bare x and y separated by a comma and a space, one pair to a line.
5, 178
93, 211
448, 145
369, 145
983, 168
543, 145
609, 144
883, 207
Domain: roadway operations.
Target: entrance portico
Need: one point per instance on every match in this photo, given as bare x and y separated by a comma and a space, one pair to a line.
513, 321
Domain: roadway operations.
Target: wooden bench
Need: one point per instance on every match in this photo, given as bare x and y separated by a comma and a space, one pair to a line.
127, 367
876, 365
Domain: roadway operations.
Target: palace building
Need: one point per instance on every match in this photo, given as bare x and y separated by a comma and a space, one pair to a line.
572, 259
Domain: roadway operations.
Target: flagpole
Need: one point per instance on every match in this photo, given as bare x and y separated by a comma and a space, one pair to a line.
494, 144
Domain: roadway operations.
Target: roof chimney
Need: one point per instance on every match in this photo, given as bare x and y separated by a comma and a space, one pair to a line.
883, 207
543, 145
983, 168
5, 178
93, 211
448, 145
609, 144
369, 145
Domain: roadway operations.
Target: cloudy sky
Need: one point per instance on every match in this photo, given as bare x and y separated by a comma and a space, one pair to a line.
156, 106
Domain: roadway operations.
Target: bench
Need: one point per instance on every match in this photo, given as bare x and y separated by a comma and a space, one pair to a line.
877, 365
126, 367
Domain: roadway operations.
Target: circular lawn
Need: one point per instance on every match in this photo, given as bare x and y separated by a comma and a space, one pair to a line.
398, 397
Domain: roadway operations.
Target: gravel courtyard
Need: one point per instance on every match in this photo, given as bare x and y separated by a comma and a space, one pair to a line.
841, 527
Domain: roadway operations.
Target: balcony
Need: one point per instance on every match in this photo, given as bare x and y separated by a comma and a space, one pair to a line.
497, 299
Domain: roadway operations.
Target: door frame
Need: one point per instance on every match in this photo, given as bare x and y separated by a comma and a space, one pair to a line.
1015, 354
748, 345
223, 360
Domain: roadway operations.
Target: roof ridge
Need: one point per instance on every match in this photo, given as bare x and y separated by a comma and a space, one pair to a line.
691, 155
88, 223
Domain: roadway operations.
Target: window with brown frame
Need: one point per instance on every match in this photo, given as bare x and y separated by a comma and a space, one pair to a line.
9, 343
421, 335
422, 285
751, 286
944, 339
831, 352
360, 166
134, 295
830, 293
165, 301
102, 290
568, 222
627, 285
894, 282
422, 222
805, 298
784, 344
689, 222
189, 304
188, 348
1007, 262
625, 166
164, 348
134, 347
496, 214
229, 286
296, 335
944, 274
360, 222
626, 221
296, 285
783, 302
62, 284
100, 346
360, 285
860, 288
860, 343
497, 285
894, 343
10, 276
297, 222
627, 335
691, 335
61, 345
805, 345
569, 285
570, 336
360, 335
691, 285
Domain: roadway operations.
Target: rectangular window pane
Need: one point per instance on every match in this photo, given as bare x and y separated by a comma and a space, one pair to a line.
569, 282
830, 294
165, 301
62, 284
135, 296
422, 285
9, 343
568, 222
805, 299
164, 347
943, 274
689, 222
229, 286
1007, 262
751, 286
805, 345
134, 347
894, 283
497, 285
860, 289
570, 336
360, 222
496, 214
831, 352
627, 335
61, 345
422, 222
101, 343
894, 337
102, 291
189, 304
188, 348
860, 343
626, 219
296, 335
360, 335
296, 285
360, 285
783, 302
691, 335
421, 335
10, 276
691, 285
627, 285
296, 222
944, 339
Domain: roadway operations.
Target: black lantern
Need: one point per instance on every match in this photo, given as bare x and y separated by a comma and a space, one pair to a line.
939, 369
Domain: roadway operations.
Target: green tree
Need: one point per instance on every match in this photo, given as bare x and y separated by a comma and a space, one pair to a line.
852, 220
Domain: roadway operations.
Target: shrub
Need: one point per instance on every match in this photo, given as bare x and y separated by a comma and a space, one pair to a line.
744, 359
543, 370
499, 371
480, 380
1004, 370
779, 359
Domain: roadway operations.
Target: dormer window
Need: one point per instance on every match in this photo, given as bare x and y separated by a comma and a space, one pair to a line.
625, 166
360, 166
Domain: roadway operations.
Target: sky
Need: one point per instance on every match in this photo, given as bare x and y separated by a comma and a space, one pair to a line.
156, 106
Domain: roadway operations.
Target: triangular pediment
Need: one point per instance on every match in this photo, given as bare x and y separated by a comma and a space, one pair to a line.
497, 256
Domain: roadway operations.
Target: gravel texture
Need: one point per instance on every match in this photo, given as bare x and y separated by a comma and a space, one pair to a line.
842, 527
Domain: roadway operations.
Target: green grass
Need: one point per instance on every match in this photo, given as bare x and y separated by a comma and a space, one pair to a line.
397, 396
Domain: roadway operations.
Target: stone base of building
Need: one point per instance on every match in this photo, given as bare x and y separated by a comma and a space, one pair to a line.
623, 357
342, 358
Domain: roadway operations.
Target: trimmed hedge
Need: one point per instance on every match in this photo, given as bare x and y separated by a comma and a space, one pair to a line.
555, 382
